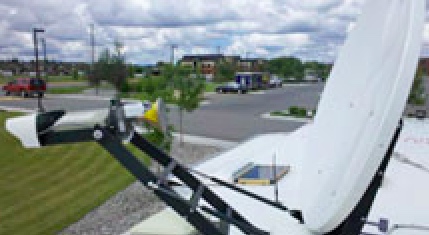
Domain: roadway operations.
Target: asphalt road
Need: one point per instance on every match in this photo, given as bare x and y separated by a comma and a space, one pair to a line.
238, 117
51, 102
233, 117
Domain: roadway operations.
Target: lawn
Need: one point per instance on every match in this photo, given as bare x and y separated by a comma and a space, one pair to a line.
211, 86
44, 190
295, 111
67, 90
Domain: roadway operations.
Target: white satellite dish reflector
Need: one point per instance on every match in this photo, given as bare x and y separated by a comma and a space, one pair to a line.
24, 129
360, 109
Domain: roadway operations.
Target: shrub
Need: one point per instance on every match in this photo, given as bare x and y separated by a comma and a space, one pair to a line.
277, 113
302, 112
125, 88
293, 110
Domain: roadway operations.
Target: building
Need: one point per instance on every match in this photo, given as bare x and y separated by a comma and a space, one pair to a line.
251, 65
209, 64
52, 68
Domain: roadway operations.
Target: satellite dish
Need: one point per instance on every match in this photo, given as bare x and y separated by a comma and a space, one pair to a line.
360, 110
31, 129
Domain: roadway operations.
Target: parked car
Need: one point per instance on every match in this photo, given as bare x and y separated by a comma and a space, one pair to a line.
275, 82
231, 87
25, 87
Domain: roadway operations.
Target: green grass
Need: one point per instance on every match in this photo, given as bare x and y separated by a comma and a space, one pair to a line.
65, 79
293, 111
44, 190
66, 90
211, 86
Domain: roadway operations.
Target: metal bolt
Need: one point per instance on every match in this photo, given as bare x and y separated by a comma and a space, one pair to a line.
98, 134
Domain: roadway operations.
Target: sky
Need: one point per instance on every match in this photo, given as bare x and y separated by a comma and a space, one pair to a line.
307, 29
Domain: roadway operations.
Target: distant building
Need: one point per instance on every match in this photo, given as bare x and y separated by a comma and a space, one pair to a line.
6, 73
209, 63
52, 68
251, 65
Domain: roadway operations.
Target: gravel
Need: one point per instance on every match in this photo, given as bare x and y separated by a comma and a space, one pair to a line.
135, 203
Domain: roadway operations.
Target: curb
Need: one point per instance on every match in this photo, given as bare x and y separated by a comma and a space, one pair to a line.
198, 140
283, 118
89, 97
201, 140
79, 97
11, 109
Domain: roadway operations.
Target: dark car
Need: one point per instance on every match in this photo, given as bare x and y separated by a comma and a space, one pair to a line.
25, 87
231, 87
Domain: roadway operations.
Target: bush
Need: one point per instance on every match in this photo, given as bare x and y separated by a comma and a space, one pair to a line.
302, 112
293, 110
125, 88
277, 113
139, 87
298, 111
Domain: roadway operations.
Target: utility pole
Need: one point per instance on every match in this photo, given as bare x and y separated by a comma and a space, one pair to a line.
173, 47
44, 59
36, 54
218, 50
93, 58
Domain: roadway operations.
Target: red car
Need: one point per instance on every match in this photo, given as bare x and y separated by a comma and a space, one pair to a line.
26, 87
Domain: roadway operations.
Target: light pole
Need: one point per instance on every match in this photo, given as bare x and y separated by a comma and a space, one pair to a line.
36, 54
44, 59
92, 74
173, 47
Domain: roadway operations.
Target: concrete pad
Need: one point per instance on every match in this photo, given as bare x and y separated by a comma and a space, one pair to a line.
166, 222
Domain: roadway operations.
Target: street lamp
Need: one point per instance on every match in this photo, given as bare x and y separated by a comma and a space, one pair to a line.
173, 47
93, 78
36, 54
45, 61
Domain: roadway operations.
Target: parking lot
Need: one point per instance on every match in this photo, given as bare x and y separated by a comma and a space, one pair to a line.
233, 117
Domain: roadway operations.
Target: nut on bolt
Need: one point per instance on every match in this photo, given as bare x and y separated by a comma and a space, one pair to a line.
98, 134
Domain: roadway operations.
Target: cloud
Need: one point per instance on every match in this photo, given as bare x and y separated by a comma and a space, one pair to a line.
309, 29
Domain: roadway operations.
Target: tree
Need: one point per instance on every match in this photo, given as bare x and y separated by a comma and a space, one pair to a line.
118, 68
75, 74
100, 69
189, 85
417, 94
322, 70
131, 71
110, 67
287, 67
225, 71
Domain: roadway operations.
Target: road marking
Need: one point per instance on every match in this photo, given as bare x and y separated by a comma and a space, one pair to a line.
80, 97
257, 92
10, 98
205, 103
